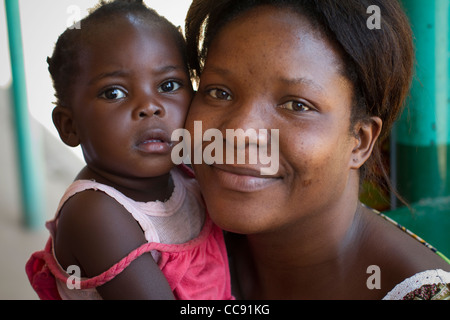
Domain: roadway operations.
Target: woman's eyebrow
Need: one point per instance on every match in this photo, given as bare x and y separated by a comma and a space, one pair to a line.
284, 80
216, 69
301, 81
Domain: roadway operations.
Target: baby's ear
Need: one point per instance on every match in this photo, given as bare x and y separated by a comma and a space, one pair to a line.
367, 133
65, 124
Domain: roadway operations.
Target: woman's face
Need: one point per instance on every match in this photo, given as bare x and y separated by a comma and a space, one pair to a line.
268, 69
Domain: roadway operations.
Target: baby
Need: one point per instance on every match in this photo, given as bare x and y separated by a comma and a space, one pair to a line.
132, 224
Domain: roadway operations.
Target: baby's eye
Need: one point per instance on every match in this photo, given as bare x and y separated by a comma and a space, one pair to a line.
169, 86
295, 106
113, 94
219, 94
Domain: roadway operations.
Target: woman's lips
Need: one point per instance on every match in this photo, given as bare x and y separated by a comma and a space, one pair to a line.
242, 179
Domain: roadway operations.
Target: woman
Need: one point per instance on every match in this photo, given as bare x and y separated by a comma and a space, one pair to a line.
313, 73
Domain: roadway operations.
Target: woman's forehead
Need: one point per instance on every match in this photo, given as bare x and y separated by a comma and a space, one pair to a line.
281, 31
272, 39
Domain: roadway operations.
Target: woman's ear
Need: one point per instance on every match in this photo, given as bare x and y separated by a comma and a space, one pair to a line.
65, 124
366, 133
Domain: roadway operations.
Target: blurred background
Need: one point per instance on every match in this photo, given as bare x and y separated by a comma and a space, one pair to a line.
36, 167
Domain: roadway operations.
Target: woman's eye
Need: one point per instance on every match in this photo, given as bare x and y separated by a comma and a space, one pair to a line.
219, 94
295, 106
169, 86
113, 94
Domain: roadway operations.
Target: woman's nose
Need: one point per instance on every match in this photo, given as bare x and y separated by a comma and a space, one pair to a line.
248, 124
248, 115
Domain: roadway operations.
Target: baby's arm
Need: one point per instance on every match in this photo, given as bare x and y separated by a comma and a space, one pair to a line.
96, 232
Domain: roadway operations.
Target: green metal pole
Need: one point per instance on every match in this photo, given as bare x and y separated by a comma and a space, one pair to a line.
28, 161
423, 131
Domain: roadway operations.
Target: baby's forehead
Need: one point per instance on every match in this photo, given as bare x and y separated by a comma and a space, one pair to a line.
122, 30
119, 23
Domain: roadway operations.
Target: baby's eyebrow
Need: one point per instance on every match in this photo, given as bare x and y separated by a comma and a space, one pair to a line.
116, 74
125, 73
167, 69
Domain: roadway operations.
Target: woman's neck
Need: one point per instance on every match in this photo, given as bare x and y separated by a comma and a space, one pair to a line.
295, 261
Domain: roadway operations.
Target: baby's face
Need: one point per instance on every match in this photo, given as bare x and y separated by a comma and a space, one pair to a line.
132, 91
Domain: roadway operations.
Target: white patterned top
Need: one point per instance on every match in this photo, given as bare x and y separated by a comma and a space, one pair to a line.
426, 285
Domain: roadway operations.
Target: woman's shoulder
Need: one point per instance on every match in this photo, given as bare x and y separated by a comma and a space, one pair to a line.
402, 255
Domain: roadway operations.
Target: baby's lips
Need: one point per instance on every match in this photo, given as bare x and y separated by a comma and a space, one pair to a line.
154, 134
154, 141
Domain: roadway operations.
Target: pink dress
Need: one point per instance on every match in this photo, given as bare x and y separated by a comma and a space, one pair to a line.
193, 257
